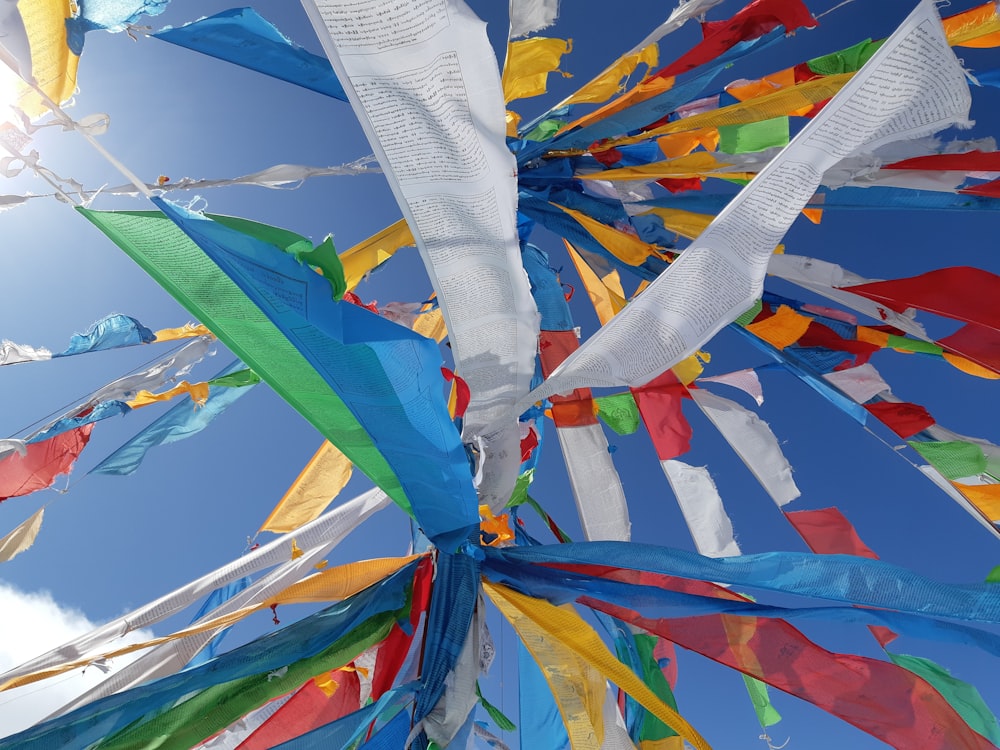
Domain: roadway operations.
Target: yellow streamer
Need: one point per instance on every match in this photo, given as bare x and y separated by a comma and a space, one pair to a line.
336, 583
359, 260
606, 295
187, 331
528, 65
53, 65
682, 144
685, 223
566, 627
626, 247
319, 482
969, 367
777, 104
978, 27
197, 391
613, 80
698, 164
431, 324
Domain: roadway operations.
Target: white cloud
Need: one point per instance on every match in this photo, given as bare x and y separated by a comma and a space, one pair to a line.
32, 623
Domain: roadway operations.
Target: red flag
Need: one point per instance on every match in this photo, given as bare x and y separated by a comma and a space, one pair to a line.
905, 419
959, 292
44, 461
753, 21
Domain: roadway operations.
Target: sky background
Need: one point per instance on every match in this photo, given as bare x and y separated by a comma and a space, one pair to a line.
113, 543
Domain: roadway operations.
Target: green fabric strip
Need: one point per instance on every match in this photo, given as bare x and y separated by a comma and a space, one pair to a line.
183, 270
913, 345
495, 713
747, 318
619, 412
652, 728
323, 256
954, 459
962, 696
846, 60
215, 708
238, 379
767, 715
753, 137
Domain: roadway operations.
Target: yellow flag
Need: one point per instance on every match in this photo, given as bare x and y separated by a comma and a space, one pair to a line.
542, 620
777, 104
53, 65
685, 223
978, 27
626, 247
698, 164
187, 331
431, 324
197, 391
365, 256
529, 62
322, 479
606, 295
610, 82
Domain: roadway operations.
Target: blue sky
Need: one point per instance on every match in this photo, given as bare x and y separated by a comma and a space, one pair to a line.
111, 543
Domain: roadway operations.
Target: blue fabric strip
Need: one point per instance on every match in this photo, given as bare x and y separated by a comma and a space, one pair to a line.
387, 375
242, 37
88, 724
453, 601
561, 587
103, 410
109, 332
180, 422
841, 578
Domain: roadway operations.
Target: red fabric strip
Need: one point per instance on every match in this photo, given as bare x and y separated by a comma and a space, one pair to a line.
308, 709
889, 702
905, 419
567, 411
659, 403
959, 292
823, 336
970, 161
987, 189
44, 461
828, 532
978, 343
752, 22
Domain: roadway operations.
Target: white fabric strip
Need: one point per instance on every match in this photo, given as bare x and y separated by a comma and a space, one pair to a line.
753, 441
173, 656
721, 274
22, 537
334, 524
529, 16
702, 508
11, 353
746, 380
431, 66
597, 488
861, 383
